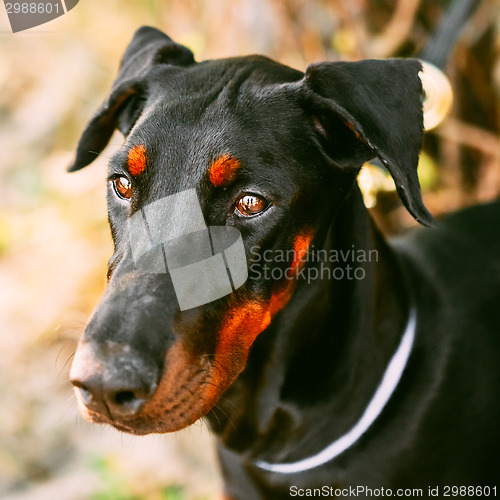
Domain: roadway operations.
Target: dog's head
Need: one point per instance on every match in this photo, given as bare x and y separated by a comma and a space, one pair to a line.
243, 154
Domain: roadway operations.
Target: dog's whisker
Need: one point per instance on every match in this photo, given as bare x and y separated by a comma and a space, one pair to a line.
71, 356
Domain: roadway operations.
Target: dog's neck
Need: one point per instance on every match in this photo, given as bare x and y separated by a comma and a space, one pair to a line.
326, 356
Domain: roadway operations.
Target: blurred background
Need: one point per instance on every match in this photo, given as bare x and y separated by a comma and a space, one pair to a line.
54, 240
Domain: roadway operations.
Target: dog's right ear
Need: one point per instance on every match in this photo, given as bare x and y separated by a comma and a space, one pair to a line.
368, 109
149, 47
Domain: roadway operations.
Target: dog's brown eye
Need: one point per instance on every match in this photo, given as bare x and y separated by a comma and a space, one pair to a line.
251, 204
123, 187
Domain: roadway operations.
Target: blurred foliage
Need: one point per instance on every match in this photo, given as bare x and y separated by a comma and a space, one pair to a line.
117, 487
54, 240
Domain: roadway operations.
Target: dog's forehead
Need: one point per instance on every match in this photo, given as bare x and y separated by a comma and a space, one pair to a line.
217, 109
213, 90
235, 73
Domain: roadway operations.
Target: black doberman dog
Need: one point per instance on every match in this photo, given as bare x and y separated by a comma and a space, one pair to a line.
344, 365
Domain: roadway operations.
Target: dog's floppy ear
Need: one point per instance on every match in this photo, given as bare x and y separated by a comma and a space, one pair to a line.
149, 47
372, 108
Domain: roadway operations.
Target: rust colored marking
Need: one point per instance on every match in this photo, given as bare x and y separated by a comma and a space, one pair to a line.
249, 319
283, 292
356, 133
224, 170
137, 160
300, 248
280, 298
244, 322
183, 394
239, 329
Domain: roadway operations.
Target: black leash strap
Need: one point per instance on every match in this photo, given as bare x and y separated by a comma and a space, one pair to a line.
440, 45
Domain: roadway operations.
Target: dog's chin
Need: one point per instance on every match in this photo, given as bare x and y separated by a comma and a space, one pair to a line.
170, 423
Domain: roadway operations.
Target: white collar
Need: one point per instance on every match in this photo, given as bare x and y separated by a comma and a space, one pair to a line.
387, 386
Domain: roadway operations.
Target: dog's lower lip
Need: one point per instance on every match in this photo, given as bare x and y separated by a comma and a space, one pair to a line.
140, 428
131, 427
127, 429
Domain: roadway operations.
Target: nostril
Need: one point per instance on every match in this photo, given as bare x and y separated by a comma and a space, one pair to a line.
77, 383
124, 397
116, 403
125, 402
85, 393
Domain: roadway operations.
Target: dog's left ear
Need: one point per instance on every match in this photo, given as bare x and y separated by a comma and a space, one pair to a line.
372, 108
148, 50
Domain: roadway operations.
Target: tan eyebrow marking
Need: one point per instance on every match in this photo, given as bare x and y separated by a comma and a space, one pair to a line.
137, 160
224, 170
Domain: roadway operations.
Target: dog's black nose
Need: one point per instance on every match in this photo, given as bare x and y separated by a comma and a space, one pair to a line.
112, 382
